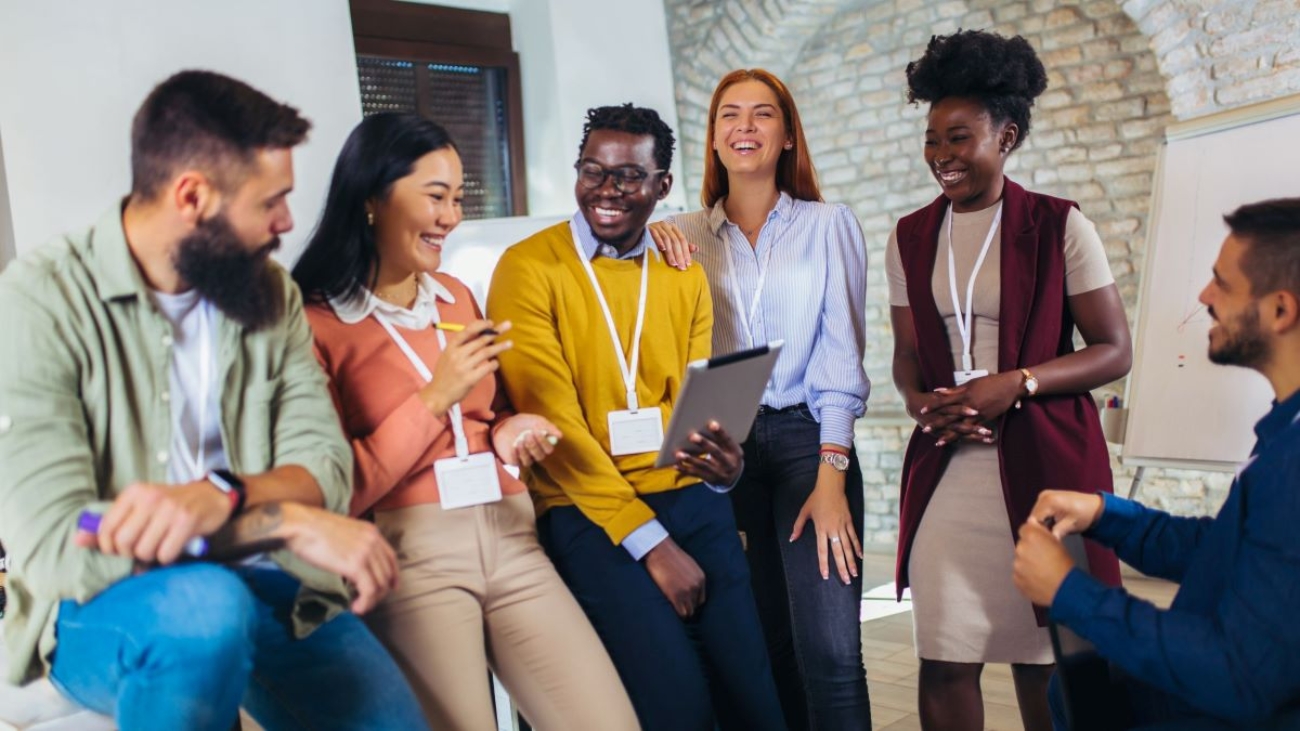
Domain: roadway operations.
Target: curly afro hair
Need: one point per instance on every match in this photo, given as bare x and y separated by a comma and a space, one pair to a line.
634, 120
1004, 74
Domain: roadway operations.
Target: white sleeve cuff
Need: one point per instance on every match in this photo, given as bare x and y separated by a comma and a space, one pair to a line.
837, 426
724, 489
640, 541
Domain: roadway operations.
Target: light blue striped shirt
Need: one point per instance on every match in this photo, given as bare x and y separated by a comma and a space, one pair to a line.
814, 298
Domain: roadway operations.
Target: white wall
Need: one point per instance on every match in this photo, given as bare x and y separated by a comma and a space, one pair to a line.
578, 54
73, 73
6, 220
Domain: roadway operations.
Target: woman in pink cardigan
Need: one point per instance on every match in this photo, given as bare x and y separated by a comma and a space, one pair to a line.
412, 369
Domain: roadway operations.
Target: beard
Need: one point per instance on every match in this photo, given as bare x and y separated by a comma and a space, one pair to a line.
238, 282
1243, 342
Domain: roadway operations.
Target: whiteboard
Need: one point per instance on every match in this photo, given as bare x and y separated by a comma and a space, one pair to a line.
1183, 410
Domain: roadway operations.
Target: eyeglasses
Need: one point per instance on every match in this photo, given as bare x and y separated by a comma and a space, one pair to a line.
626, 180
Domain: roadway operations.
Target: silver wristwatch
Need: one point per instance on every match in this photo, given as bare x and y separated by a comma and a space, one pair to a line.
839, 461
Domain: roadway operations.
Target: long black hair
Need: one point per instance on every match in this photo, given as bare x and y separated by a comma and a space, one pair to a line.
341, 257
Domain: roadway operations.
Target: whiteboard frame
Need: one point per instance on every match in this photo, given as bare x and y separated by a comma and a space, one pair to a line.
1231, 119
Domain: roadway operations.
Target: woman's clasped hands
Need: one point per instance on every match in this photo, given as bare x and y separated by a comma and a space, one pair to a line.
967, 412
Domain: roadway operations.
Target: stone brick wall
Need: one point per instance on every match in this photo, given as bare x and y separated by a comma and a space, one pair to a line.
1119, 74
1221, 55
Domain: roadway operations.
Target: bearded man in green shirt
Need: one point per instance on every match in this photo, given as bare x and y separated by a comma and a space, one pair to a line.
159, 402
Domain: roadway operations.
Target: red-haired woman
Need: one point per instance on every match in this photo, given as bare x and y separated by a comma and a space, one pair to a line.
783, 265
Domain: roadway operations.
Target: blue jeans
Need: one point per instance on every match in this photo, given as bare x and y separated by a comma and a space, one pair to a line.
183, 647
812, 625
682, 675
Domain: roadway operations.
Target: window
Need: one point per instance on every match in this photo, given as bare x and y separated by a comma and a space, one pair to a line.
456, 67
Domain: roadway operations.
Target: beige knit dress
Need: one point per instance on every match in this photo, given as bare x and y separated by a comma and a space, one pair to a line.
964, 605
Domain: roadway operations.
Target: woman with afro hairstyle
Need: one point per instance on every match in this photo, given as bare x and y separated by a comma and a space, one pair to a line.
987, 285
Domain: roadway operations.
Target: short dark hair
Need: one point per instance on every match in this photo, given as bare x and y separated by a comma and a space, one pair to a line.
633, 120
1271, 230
1003, 74
341, 257
208, 121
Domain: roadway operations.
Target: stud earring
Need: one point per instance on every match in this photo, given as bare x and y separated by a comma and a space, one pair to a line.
789, 145
370, 218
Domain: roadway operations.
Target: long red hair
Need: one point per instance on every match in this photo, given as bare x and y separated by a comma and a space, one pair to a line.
795, 174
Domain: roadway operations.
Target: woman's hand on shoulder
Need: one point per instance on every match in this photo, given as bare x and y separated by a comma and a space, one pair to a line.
525, 439
672, 242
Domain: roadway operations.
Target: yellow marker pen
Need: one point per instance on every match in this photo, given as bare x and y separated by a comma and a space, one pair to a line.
456, 327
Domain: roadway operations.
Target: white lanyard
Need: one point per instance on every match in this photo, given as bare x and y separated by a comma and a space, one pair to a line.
758, 288
457, 427
964, 321
196, 456
628, 368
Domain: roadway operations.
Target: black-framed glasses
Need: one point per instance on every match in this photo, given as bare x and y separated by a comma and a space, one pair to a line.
626, 179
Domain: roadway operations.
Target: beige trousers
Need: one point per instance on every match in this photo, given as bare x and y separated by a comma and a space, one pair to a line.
476, 591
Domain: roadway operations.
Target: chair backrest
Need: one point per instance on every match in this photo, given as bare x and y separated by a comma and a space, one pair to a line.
1092, 702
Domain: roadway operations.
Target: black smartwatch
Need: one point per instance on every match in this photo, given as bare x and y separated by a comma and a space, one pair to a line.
227, 482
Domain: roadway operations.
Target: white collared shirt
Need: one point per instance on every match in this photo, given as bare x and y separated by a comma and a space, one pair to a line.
421, 314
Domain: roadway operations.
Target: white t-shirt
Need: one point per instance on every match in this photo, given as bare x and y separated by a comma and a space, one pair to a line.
196, 447
196, 444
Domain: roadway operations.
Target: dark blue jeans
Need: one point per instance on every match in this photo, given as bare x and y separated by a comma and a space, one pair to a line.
812, 625
682, 675
183, 647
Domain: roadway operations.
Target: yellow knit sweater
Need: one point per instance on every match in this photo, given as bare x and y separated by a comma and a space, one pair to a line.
563, 367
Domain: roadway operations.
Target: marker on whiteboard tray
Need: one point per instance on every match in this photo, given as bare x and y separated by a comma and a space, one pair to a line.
88, 522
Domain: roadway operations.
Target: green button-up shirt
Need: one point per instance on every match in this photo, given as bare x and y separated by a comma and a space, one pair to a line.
84, 412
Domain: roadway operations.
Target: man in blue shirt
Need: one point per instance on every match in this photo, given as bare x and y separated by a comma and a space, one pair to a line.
1227, 652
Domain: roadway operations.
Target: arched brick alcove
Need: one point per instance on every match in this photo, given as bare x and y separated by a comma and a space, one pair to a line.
1119, 73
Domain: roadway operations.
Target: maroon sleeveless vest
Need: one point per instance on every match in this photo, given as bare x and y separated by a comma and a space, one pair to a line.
1051, 441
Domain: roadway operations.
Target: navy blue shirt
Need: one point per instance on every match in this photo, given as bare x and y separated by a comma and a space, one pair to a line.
1229, 645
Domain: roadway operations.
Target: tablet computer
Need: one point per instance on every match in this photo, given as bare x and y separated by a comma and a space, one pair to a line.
727, 389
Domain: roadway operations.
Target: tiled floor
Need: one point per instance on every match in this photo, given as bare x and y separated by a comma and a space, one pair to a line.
892, 665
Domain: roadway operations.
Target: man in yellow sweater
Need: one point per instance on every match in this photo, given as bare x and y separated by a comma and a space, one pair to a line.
603, 329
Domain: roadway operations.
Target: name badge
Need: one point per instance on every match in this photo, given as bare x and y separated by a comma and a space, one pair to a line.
469, 481
635, 432
962, 377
